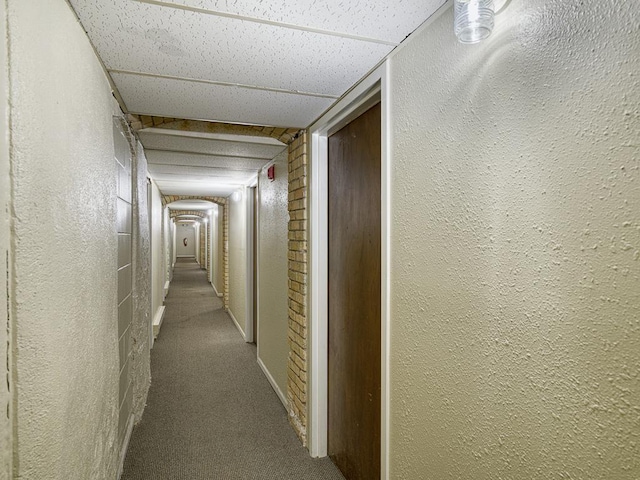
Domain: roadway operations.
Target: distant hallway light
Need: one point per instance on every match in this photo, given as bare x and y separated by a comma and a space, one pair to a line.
473, 20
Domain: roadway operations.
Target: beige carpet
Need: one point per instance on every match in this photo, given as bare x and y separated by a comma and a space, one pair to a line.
211, 413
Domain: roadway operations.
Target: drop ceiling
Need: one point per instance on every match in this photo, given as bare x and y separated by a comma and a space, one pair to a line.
192, 163
278, 63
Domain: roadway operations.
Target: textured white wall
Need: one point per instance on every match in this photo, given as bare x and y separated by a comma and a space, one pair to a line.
515, 247
167, 241
140, 335
123, 162
157, 265
65, 247
5, 189
238, 256
273, 311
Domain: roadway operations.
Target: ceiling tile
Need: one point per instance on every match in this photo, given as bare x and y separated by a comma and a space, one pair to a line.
159, 157
196, 188
282, 64
199, 101
138, 37
230, 137
379, 19
191, 205
157, 170
238, 178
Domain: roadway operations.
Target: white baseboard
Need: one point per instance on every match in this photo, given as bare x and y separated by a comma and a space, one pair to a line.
186, 256
274, 385
216, 290
157, 320
166, 288
237, 324
125, 444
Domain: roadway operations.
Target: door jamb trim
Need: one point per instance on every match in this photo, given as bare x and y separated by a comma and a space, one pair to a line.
345, 110
249, 212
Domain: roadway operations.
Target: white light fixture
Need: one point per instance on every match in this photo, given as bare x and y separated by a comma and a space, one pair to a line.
473, 20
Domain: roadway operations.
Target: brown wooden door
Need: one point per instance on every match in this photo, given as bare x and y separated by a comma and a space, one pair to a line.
354, 297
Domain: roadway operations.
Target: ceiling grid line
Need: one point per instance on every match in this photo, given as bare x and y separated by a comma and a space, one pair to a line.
201, 74
262, 21
225, 84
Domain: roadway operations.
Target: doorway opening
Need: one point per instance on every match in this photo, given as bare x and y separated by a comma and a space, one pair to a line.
372, 90
251, 287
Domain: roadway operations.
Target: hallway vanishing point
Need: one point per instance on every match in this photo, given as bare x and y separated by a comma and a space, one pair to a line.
211, 413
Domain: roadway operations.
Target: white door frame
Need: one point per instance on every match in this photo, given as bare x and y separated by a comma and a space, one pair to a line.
249, 334
360, 98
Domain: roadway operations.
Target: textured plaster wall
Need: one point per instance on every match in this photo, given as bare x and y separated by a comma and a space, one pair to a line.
273, 311
515, 349
123, 161
238, 256
157, 266
65, 248
141, 366
5, 201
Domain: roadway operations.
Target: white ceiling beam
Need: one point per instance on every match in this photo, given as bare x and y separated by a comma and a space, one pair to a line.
223, 137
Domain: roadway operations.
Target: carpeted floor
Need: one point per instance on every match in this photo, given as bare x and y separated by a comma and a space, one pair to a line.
211, 413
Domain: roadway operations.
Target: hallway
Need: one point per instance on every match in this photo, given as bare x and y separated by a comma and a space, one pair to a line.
211, 413
137, 132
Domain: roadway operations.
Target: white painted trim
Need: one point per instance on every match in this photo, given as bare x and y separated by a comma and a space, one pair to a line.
233, 317
221, 137
340, 114
158, 318
273, 383
385, 274
185, 256
215, 290
206, 244
248, 322
166, 289
125, 444
173, 250
318, 344
258, 202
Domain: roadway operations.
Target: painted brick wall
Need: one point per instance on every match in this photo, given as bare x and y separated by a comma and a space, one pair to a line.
298, 248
